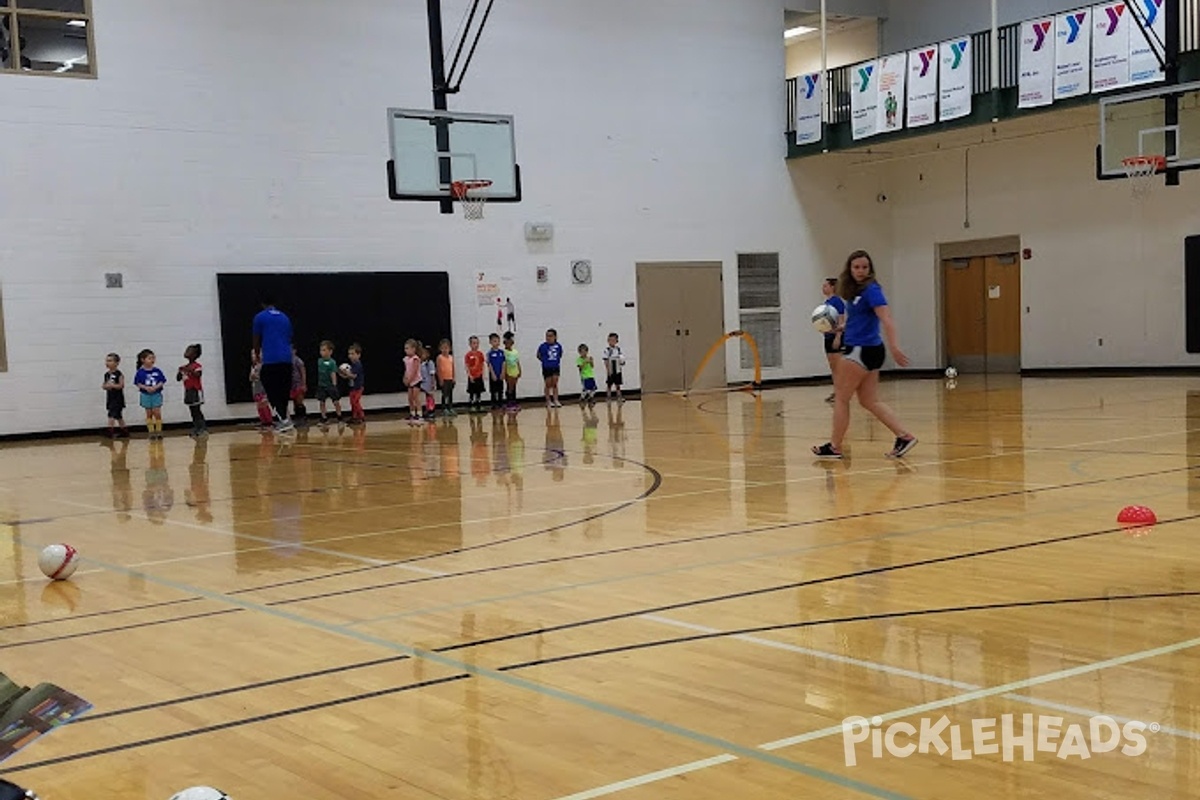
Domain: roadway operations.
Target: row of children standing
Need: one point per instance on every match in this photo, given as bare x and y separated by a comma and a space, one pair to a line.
150, 382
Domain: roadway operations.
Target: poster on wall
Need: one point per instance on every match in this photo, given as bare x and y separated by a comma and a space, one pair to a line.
954, 79
864, 99
1036, 84
808, 108
922, 87
1073, 53
1110, 47
890, 114
1143, 61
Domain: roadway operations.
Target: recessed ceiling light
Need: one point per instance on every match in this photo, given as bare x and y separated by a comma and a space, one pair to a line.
799, 30
77, 23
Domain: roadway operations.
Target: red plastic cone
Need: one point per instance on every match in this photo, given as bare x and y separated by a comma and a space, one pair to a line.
1136, 515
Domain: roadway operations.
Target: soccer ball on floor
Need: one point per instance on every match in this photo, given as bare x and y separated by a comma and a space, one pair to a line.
825, 318
951, 373
200, 793
58, 561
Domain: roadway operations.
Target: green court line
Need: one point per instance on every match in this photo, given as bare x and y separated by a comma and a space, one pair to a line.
511, 680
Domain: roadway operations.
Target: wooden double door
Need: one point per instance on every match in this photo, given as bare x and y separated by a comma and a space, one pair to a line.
981, 313
681, 315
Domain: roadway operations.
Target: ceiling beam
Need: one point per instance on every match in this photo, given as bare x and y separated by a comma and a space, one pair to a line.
849, 8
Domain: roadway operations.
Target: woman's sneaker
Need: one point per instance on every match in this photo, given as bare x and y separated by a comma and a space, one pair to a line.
902, 446
826, 451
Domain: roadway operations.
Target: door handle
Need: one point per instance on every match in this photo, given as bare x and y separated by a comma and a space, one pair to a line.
687, 332
677, 331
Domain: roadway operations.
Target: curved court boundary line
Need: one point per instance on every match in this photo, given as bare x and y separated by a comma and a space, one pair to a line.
887, 615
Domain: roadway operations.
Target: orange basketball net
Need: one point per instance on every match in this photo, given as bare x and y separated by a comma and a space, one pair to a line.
472, 195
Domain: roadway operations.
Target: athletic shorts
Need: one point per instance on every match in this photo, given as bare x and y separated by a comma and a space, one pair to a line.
148, 400
116, 408
327, 393
551, 372
614, 379
830, 347
475, 386
495, 386
869, 357
193, 397
589, 384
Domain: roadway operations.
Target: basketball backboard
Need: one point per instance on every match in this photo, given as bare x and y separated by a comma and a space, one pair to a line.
480, 147
1136, 124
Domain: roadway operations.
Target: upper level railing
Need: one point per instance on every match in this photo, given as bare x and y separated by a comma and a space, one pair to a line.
839, 79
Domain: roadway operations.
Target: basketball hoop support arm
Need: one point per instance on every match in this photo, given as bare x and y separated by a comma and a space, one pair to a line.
437, 68
1171, 72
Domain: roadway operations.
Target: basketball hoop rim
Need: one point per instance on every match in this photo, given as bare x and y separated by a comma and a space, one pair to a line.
1138, 164
462, 189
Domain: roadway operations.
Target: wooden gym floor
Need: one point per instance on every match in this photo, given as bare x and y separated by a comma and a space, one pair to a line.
667, 600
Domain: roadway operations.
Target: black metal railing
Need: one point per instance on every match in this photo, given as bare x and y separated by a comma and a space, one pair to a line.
839, 81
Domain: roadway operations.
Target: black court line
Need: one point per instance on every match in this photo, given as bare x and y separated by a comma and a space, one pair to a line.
1010, 548
685, 540
237, 723
245, 687
135, 626
110, 612
578, 656
1062, 601
656, 483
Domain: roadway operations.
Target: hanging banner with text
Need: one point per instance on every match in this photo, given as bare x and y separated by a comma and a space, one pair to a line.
1110, 47
808, 109
890, 114
954, 79
864, 99
1072, 54
1151, 23
922, 87
1036, 84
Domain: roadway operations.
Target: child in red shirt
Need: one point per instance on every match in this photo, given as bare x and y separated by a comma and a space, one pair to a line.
193, 389
474, 360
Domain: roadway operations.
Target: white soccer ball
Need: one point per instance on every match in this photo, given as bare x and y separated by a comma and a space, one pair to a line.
825, 318
345, 369
951, 373
200, 793
58, 561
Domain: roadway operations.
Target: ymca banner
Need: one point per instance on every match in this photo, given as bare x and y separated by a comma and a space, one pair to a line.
864, 99
1110, 46
1036, 85
1073, 53
891, 93
922, 87
808, 109
954, 79
1143, 62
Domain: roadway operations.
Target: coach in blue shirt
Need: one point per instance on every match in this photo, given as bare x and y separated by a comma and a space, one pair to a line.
273, 347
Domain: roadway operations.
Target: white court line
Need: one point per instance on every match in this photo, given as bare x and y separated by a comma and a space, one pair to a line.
835, 730
212, 529
906, 673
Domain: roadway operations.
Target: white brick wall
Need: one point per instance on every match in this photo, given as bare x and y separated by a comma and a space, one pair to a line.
225, 135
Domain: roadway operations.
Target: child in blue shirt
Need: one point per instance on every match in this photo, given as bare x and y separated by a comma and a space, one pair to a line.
550, 353
150, 382
495, 370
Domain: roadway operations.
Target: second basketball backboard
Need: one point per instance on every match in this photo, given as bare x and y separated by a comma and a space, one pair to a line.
1140, 124
473, 147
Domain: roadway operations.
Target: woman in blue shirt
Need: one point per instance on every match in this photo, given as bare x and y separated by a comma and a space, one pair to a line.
863, 353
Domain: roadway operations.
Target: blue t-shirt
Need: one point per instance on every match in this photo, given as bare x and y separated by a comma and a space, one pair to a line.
550, 355
839, 304
148, 378
862, 325
496, 364
275, 329
358, 379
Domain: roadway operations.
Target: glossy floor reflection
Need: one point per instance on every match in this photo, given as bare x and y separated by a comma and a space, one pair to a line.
665, 599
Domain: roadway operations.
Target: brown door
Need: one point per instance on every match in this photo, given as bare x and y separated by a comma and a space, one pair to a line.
1002, 277
703, 325
964, 314
660, 328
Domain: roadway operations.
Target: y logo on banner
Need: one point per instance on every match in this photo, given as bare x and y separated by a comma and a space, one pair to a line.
1075, 21
810, 86
1040, 29
958, 48
1114, 18
927, 59
864, 75
1152, 8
